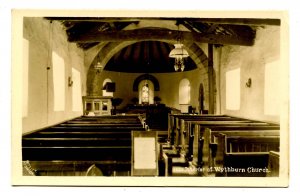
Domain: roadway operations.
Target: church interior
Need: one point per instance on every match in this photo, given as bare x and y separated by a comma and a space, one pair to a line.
151, 96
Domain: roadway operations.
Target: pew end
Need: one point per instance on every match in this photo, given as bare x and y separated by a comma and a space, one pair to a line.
248, 156
273, 164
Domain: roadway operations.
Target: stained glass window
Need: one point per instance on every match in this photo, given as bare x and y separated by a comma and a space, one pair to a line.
145, 93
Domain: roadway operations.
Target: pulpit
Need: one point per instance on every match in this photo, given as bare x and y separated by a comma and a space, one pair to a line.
96, 105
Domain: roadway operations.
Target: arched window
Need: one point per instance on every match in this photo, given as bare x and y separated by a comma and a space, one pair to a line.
184, 91
104, 92
146, 92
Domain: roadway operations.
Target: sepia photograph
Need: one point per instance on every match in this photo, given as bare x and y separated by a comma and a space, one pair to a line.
150, 98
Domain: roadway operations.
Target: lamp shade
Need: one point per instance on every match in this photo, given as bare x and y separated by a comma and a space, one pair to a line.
178, 52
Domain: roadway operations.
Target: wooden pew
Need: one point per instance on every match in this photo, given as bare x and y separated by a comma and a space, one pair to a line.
82, 134
197, 142
77, 146
78, 168
186, 126
203, 141
174, 122
118, 117
210, 137
82, 142
104, 121
126, 119
101, 125
273, 164
182, 136
213, 150
92, 128
246, 155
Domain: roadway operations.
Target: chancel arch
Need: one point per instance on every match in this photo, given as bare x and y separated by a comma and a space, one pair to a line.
110, 49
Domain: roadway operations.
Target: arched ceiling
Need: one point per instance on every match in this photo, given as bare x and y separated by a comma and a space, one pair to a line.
146, 57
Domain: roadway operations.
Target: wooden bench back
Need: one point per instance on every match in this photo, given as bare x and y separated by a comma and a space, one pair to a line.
201, 139
102, 139
247, 151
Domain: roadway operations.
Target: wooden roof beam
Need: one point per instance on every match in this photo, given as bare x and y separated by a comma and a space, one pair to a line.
239, 21
162, 35
94, 19
212, 28
234, 21
190, 27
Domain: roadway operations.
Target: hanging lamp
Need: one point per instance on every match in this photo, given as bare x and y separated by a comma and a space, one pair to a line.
179, 53
98, 66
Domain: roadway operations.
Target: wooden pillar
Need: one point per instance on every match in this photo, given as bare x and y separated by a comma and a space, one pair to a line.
211, 92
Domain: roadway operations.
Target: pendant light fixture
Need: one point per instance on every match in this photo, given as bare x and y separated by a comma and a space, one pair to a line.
98, 66
179, 53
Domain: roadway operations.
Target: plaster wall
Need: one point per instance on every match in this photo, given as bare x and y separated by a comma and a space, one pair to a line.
169, 86
251, 61
45, 37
